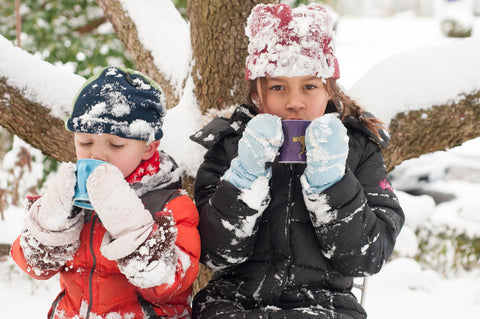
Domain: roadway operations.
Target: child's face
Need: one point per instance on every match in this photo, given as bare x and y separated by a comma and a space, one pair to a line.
124, 153
299, 97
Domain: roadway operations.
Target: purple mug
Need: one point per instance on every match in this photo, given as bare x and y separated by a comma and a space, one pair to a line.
293, 149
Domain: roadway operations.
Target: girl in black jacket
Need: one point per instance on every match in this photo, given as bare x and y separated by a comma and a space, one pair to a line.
286, 240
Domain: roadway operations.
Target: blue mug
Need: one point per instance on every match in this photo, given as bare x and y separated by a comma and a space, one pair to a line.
85, 167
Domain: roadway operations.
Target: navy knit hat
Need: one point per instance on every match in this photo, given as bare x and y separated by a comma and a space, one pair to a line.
120, 102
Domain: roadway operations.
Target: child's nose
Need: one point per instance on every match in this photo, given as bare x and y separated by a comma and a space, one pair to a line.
295, 103
98, 154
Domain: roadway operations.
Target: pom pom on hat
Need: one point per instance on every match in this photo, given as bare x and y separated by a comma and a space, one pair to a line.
286, 42
120, 102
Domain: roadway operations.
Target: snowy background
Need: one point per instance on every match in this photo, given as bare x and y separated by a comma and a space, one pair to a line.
379, 58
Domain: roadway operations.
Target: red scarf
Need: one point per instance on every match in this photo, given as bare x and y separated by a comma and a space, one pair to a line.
148, 167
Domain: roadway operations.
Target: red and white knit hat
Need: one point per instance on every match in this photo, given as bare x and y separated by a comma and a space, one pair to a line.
286, 42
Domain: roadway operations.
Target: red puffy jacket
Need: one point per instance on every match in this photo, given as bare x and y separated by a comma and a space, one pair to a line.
94, 287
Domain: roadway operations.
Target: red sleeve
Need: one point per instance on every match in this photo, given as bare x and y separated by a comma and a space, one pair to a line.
185, 216
17, 254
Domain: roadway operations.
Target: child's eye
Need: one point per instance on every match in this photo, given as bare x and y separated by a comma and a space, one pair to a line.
85, 143
276, 88
310, 86
116, 145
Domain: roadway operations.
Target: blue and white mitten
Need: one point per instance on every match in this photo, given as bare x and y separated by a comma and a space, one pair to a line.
326, 141
257, 148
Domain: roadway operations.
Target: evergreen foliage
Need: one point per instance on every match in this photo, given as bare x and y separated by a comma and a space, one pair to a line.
455, 29
68, 32
446, 249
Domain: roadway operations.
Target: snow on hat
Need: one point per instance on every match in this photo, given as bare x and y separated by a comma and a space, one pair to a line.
120, 102
286, 42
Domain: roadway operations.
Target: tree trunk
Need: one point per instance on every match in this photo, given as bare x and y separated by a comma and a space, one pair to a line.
142, 58
33, 123
219, 46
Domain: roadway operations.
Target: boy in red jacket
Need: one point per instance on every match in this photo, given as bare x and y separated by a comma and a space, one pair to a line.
135, 253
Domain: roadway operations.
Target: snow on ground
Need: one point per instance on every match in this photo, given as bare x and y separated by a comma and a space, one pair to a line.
402, 289
23, 297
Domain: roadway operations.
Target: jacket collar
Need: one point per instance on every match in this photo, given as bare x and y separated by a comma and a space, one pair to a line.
355, 124
160, 171
221, 127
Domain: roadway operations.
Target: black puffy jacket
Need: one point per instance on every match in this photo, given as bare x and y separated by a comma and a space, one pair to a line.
270, 264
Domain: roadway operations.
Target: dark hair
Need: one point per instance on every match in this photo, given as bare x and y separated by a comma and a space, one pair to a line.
345, 105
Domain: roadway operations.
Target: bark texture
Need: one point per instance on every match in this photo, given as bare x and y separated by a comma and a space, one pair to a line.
438, 128
204, 276
33, 123
142, 58
219, 46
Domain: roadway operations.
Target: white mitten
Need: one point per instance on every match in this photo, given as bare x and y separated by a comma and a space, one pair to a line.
56, 204
49, 219
120, 210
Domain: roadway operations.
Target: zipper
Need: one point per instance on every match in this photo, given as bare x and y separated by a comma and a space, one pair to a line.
288, 216
288, 213
55, 304
94, 264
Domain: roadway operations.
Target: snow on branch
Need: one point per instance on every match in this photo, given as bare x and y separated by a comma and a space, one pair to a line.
164, 32
38, 80
420, 79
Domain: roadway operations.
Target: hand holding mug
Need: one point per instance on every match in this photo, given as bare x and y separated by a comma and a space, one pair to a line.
326, 141
55, 205
257, 149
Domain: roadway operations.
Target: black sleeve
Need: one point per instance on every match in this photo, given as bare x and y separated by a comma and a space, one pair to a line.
227, 225
365, 216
